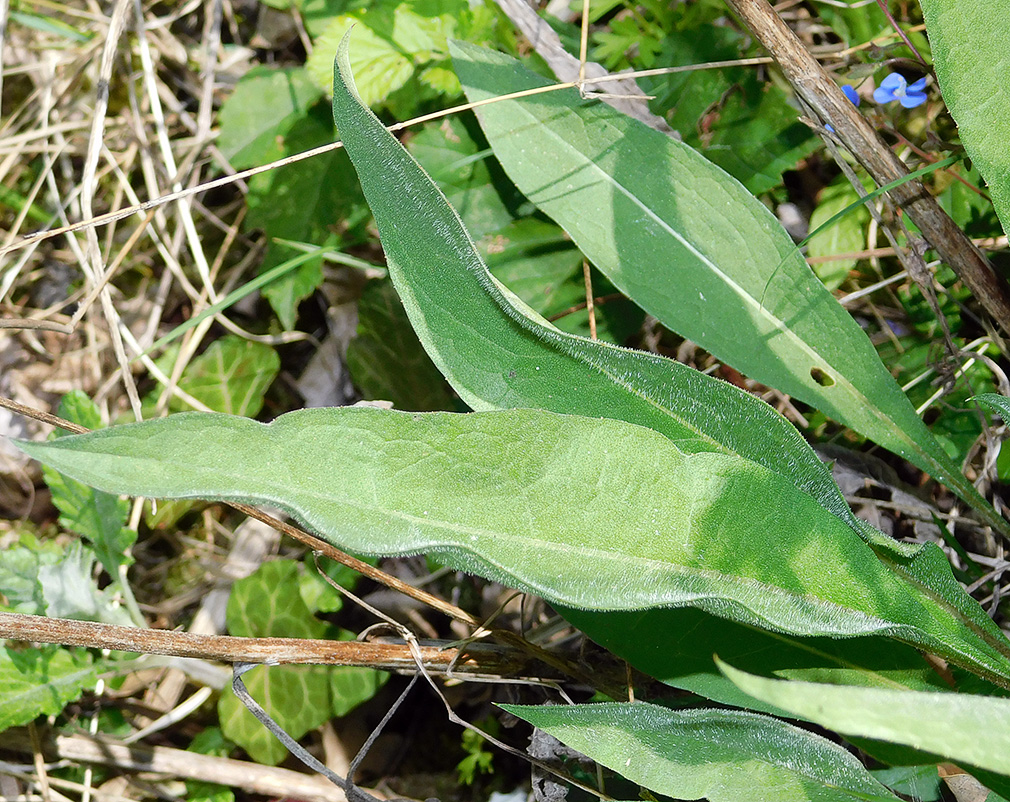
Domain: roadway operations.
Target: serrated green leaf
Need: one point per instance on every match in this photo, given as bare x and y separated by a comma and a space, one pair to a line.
232, 375
382, 66
694, 248
98, 517
69, 591
391, 40
555, 505
35, 682
970, 46
946, 724
718, 755
19, 574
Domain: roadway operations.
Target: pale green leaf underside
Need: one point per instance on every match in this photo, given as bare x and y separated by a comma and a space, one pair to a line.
971, 53
556, 505
967, 729
719, 755
691, 246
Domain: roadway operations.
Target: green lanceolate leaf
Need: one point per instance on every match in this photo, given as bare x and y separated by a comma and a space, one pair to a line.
682, 656
691, 246
98, 517
497, 353
556, 505
969, 53
966, 729
719, 755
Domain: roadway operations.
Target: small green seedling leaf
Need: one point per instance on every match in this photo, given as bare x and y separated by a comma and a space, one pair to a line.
36, 682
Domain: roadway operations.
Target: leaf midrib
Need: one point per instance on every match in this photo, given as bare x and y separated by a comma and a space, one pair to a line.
776, 323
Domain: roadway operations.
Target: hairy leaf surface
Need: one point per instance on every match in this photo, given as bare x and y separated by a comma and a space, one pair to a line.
963, 728
498, 353
971, 53
719, 755
553, 504
694, 248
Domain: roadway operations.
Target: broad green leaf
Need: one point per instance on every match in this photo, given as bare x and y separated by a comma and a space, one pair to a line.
691, 246
845, 236
308, 201
386, 361
966, 729
531, 256
98, 517
267, 604
392, 40
718, 755
264, 106
970, 46
296, 697
554, 505
35, 682
497, 353
683, 656
232, 375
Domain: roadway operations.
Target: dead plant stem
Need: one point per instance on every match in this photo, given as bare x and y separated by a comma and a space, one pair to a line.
812, 83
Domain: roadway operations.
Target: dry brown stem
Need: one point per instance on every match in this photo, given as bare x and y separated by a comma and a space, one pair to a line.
813, 84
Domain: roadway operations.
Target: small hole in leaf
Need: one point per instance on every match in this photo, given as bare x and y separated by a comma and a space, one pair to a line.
821, 377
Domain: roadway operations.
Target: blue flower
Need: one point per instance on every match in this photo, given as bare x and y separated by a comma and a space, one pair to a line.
851, 94
895, 87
